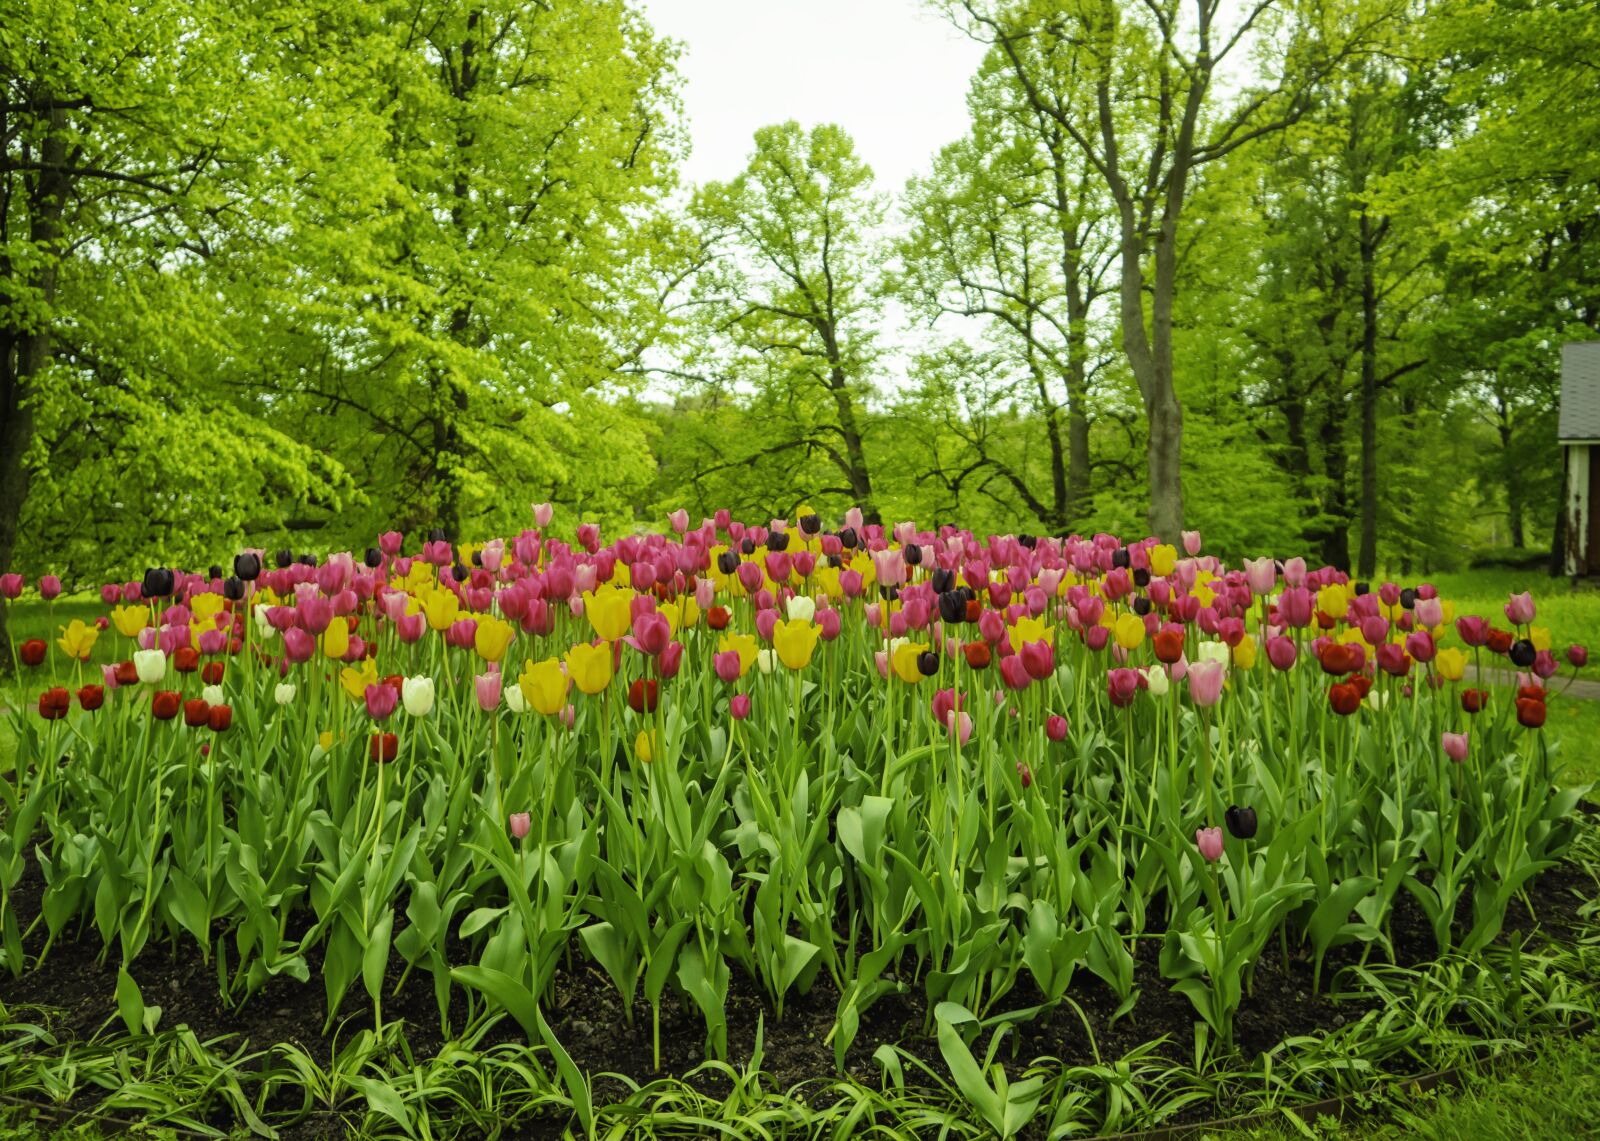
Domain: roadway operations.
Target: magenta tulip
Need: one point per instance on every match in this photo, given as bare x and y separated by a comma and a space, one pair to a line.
1282, 652
381, 700
1455, 746
739, 707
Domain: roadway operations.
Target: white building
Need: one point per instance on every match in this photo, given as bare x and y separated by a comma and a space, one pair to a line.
1579, 434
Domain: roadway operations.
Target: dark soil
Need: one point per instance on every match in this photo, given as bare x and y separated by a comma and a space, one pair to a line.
587, 1013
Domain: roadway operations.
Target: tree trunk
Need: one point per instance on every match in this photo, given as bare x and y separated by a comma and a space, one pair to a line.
25, 351
1150, 358
1368, 562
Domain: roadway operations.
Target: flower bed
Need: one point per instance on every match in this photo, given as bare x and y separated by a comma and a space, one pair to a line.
973, 783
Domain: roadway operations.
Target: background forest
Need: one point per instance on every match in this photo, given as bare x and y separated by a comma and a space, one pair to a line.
1292, 272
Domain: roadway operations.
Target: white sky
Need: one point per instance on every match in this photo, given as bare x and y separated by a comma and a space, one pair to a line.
891, 72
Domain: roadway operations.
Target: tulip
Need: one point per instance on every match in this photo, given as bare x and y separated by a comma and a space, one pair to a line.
1191, 542
1520, 609
644, 695
283, 693
33, 651
645, 745
492, 637
1262, 575
1209, 841
651, 633
739, 706
1281, 652
1522, 653
1577, 656
150, 665
77, 640
515, 701
195, 712
1156, 680
958, 725
1419, 644
219, 718
165, 703
1024, 774
1345, 698
381, 700
1038, 659
543, 513
1122, 686
1545, 665
1205, 680
1241, 822
590, 667
49, 587
795, 642
298, 645
1168, 645
1450, 664
1013, 673
417, 694
544, 686
383, 746
520, 823
1055, 727
1530, 712
978, 655
1455, 746
487, 687
10, 586
54, 703
92, 697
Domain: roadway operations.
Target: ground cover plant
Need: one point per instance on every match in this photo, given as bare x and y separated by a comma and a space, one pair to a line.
994, 833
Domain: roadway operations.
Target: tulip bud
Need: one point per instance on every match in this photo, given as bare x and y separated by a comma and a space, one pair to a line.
1209, 841
1241, 822
520, 823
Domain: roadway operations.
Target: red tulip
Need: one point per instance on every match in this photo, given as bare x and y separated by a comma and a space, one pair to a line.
977, 655
32, 651
1473, 700
127, 673
54, 703
718, 617
92, 697
383, 747
186, 659
1499, 641
211, 673
220, 718
165, 703
644, 695
1345, 698
1530, 713
195, 712
1168, 646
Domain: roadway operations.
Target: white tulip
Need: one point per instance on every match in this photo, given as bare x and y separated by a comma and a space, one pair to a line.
264, 628
284, 693
213, 695
150, 665
1215, 652
515, 701
417, 696
802, 608
767, 660
1156, 680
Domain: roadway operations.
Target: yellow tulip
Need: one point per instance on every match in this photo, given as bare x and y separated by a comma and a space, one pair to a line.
1539, 636
545, 686
645, 745
440, 607
129, 620
77, 640
419, 576
590, 667
745, 645
905, 662
325, 739
336, 639
609, 611
1129, 631
492, 638
205, 607
355, 679
795, 642
1163, 558
1450, 663
1244, 654
1030, 630
1333, 601
680, 612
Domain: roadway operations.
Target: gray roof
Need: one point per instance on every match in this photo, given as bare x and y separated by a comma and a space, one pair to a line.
1580, 391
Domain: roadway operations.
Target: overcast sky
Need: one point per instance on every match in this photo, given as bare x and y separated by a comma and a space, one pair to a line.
891, 72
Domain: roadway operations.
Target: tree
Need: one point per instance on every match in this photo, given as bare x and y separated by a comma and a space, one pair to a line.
786, 314
1132, 87
1015, 236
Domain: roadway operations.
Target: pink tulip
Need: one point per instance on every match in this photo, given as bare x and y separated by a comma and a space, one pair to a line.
298, 645
1472, 630
542, 514
213, 641
1038, 659
1520, 609
670, 661
1419, 644
873, 612
1296, 606
1191, 542
1577, 656
1545, 665
1096, 637
1055, 727
488, 687
390, 542
1393, 660
1374, 629
410, 628
1014, 673
959, 725
1262, 575
1294, 572
316, 614
726, 665
1209, 841
651, 633
881, 660
521, 824
381, 699
1024, 774
10, 585
739, 706
1205, 681
1122, 686
1429, 612
1281, 652
568, 716
49, 587
588, 536
1455, 746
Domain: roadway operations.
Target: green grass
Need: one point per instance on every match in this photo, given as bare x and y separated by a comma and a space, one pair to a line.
1553, 1094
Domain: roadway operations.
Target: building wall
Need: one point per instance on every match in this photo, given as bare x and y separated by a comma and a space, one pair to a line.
1578, 458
